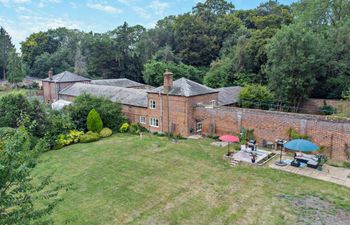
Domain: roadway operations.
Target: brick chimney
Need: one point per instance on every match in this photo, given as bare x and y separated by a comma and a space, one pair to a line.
50, 73
168, 80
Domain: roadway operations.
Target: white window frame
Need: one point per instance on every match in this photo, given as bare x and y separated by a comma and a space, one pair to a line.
152, 104
142, 119
199, 124
153, 122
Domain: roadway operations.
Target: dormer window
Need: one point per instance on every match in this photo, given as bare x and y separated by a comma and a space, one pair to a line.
152, 104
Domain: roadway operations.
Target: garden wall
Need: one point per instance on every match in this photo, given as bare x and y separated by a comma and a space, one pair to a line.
269, 126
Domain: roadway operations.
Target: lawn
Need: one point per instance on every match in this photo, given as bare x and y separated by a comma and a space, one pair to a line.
126, 180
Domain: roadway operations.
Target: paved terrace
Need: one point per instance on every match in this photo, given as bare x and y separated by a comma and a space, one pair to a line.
332, 174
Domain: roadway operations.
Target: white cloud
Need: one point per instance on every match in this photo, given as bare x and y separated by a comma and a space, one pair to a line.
6, 2
104, 8
141, 12
159, 7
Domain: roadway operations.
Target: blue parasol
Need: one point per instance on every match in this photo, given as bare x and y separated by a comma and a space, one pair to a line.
301, 145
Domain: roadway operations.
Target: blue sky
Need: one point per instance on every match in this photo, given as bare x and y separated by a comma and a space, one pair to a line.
23, 17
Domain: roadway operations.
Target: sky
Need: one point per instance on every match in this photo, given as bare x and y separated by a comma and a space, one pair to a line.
22, 17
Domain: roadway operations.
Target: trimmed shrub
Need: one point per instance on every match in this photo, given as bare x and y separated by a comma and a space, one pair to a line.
89, 137
67, 139
106, 132
94, 122
124, 128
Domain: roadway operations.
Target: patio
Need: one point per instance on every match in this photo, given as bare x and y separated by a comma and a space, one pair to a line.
332, 174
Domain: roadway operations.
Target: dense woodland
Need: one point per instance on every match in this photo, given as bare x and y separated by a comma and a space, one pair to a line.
297, 51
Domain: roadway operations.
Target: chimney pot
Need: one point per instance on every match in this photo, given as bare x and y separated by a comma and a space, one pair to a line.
168, 80
50, 73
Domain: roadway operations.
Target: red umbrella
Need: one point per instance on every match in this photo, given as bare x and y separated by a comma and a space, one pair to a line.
229, 139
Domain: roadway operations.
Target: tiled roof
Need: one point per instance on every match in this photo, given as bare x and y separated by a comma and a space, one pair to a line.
228, 95
66, 76
186, 87
122, 82
127, 96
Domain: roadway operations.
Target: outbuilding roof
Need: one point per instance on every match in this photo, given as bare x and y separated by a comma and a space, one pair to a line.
186, 87
126, 96
121, 82
228, 95
66, 76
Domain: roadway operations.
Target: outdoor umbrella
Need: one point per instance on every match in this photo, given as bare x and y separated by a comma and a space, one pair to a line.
229, 139
299, 145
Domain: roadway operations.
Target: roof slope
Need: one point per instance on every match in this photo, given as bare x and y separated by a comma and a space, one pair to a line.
122, 82
186, 87
127, 96
228, 95
66, 76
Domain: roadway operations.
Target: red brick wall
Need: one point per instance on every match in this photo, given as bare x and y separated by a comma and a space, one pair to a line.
269, 126
133, 114
50, 89
180, 111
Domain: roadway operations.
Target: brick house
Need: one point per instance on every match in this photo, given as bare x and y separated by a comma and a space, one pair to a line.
55, 83
167, 108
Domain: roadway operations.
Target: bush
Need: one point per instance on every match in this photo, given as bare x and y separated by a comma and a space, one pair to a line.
136, 128
110, 112
94, 122
327, 109
124, 128
89, 137
256, 96
66, 139
106, 132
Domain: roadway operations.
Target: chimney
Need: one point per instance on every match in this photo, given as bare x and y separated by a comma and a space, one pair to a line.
168, 81
50, 73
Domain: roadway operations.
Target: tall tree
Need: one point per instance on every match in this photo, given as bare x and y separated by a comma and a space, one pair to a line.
6, 47
15, 68
294, 56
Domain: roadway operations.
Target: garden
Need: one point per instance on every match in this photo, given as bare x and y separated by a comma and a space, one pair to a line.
87, 165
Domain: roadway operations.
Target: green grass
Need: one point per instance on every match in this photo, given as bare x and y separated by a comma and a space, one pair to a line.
125, 180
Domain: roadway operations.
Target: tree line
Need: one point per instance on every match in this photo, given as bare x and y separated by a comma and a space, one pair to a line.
298, 51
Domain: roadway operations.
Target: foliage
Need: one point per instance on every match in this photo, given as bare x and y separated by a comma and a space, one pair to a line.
106, 132
328, 109
124, 128
255, 96
16, 108
16, 161
6, 47
110, 112
72, 137
15, 68
136, 128
59, 123
293, 62
293, 134
246, 135
89, 137
94, 122
153, 72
